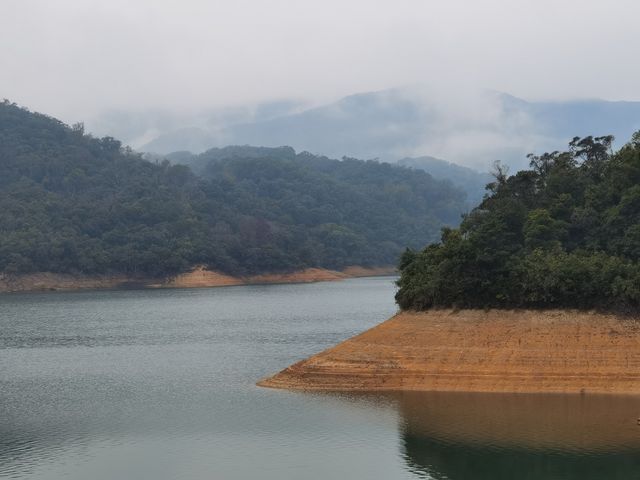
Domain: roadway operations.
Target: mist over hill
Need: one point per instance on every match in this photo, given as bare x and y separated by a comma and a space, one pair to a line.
190, 130
471, 181
468, 128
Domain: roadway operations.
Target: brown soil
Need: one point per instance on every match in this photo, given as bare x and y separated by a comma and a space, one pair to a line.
480, 351
208, 278
303, 276
356, 271
199, 277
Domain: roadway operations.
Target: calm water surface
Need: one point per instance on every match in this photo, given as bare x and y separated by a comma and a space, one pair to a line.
159, 384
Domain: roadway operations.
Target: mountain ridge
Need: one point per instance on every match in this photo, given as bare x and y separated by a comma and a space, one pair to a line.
473, 130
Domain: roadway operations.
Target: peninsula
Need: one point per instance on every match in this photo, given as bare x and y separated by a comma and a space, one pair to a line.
537, 291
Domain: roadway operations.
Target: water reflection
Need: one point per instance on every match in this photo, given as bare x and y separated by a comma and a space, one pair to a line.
494, 436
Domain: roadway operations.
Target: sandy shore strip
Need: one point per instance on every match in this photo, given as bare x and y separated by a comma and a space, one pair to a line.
199, 277
552, 351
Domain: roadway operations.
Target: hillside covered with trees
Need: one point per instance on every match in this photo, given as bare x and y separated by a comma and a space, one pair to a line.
72, 203
565, 233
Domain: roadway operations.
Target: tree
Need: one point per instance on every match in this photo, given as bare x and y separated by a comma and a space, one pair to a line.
565, 233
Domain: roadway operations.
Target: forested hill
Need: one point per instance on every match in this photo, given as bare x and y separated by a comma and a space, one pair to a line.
565, 233
77, 204
200, 162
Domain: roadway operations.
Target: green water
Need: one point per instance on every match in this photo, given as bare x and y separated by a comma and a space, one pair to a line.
159, 384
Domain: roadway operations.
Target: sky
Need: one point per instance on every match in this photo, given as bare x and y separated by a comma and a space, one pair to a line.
74, 59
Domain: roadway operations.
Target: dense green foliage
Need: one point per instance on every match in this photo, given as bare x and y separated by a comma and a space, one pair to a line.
200, 163
565, 233
73, 203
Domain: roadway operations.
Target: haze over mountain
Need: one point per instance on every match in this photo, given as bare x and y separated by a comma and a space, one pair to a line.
471, 181
468, 128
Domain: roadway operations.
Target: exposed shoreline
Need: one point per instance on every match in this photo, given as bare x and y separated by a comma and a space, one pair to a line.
197, 278
549, 351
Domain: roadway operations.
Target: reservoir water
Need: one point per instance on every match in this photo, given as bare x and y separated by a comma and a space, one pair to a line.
160, 384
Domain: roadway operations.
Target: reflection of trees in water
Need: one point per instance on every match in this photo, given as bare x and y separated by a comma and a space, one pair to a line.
492, 436
463, 462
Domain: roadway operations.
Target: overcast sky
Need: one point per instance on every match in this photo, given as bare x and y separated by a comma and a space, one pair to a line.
74, 59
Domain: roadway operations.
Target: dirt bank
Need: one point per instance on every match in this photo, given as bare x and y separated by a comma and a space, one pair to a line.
480, 351
199, 277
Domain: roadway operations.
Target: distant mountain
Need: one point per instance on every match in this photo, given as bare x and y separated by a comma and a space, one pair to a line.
196, 131
375, 122
471, 181
468, 129
582, 117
